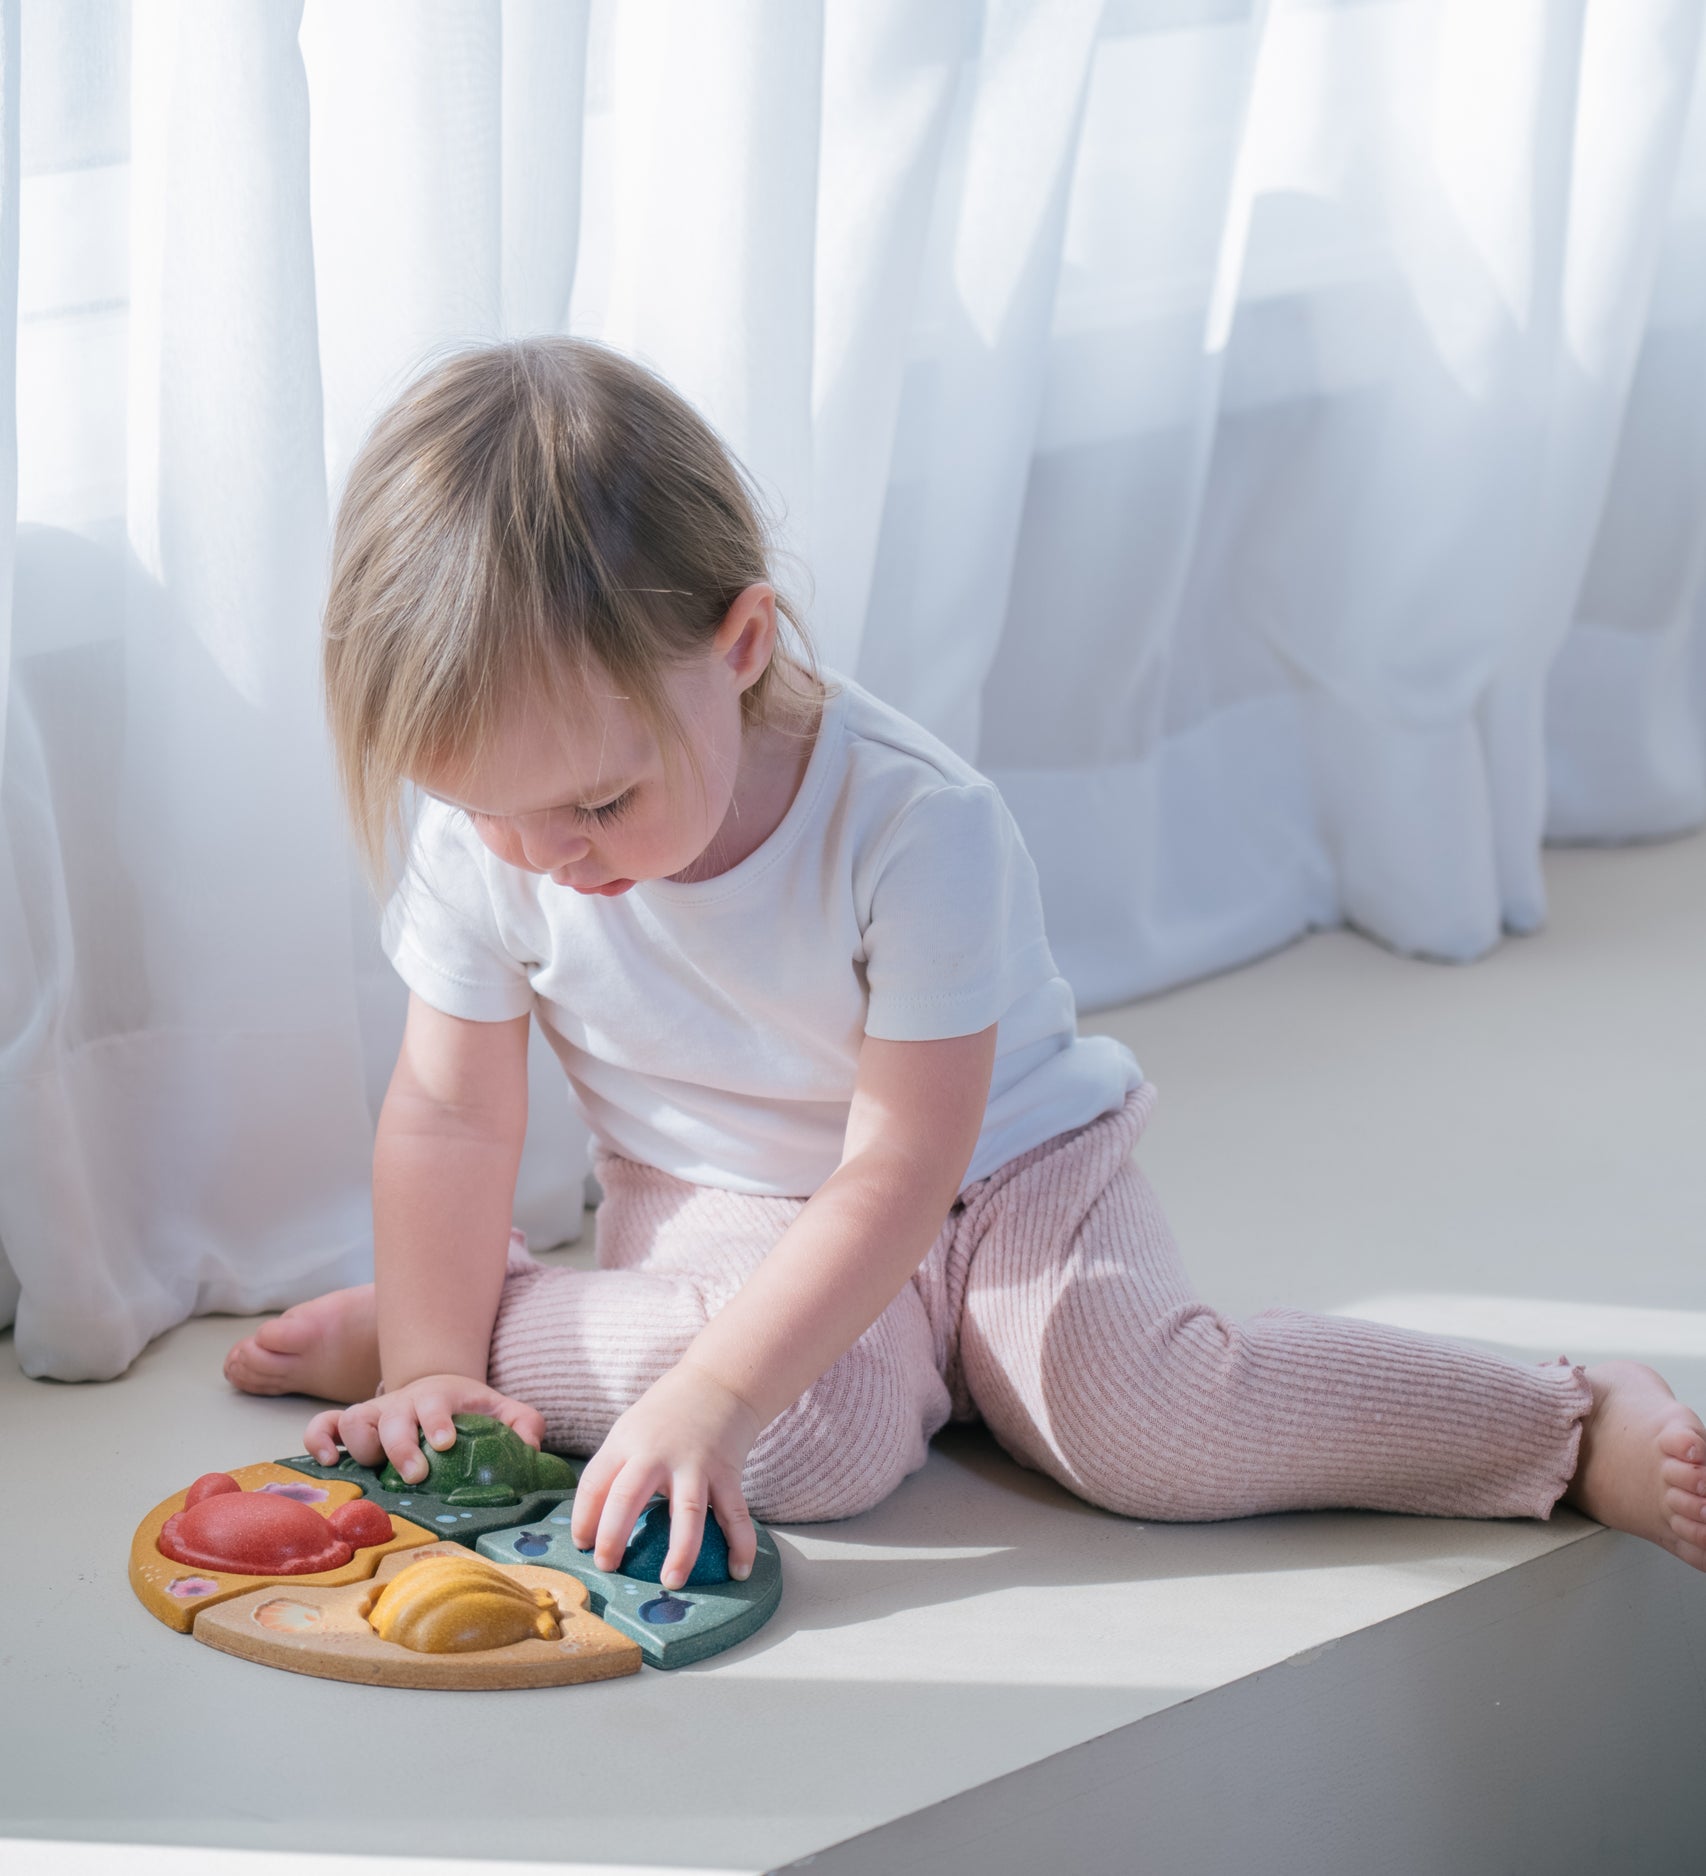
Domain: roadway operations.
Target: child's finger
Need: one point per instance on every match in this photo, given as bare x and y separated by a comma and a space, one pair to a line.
433, 1413
739, 1529
688, 1500
529, 1422
399, 1435
321, 1438
360, 1438
588, 1504
628, 1497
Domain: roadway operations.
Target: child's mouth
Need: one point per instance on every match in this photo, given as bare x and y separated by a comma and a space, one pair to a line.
611, 889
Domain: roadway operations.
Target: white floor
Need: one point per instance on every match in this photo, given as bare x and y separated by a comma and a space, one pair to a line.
984, 1671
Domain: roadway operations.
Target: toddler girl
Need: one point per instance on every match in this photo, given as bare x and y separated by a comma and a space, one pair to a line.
861, 1175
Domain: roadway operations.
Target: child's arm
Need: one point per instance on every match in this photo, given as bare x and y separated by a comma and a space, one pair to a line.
445, 1156
916, 1113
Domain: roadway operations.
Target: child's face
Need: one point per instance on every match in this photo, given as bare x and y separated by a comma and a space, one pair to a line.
584, 797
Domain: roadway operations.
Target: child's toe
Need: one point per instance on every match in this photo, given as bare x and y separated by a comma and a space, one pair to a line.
1680, 1476
289, 1334
1685, 1505
1684, 1439
1687, 1527
256, 1370
1691, 1554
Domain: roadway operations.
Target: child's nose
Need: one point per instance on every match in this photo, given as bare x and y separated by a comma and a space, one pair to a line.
553, 843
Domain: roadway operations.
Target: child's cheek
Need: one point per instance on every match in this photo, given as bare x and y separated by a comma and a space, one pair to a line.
500, 840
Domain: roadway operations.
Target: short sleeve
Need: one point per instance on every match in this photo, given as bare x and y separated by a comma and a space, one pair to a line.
956, 930
440, 928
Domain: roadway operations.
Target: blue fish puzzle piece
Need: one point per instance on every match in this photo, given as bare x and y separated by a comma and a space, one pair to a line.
649, 1545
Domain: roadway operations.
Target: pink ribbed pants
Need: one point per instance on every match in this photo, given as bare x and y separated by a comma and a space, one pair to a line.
1052, 1305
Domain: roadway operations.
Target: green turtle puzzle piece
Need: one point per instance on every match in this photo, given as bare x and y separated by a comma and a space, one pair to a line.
485, 1481
488, 1463
672, 1628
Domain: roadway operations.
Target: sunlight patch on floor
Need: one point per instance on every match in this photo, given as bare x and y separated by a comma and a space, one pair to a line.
1551, 1325
1159, 1636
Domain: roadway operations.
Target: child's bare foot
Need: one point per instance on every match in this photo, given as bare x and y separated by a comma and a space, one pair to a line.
328, 1348
1643, 1461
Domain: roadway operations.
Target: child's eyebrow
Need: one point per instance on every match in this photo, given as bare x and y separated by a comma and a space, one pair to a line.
605, 797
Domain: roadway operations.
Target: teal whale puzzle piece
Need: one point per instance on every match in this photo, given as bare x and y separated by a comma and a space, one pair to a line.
487, 1480
672, 1628
648, 1546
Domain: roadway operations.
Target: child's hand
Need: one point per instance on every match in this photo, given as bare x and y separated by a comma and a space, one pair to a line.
687, 1436
389, 1426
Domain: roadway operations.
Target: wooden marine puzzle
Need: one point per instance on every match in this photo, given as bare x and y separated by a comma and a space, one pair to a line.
468, 1580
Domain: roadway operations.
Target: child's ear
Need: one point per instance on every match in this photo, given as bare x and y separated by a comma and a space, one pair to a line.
747, 636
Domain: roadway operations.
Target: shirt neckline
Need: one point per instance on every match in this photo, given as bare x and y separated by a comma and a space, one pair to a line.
826, 744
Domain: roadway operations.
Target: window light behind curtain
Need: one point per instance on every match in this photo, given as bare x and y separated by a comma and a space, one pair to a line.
1269, 439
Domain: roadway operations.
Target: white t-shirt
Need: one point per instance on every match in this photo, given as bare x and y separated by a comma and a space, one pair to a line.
712, 1029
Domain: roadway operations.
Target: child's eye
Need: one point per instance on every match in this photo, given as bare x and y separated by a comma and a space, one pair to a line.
610, 809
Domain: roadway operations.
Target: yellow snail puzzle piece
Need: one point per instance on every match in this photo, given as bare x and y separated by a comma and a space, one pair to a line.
315, 1628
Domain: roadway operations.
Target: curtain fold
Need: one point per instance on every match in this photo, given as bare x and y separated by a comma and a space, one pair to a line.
951, 527
1269, 438
19, 1012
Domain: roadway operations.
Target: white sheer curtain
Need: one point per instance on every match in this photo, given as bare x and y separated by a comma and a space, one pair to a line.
1269, 438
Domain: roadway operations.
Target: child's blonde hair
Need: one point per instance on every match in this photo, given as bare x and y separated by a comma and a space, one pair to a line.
541, 512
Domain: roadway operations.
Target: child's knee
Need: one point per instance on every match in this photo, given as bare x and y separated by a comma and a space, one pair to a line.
1140, 1482
845, 1444
1150, 1439
782, 1490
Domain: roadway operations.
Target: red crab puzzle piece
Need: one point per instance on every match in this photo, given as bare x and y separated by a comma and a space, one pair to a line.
222, 1527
